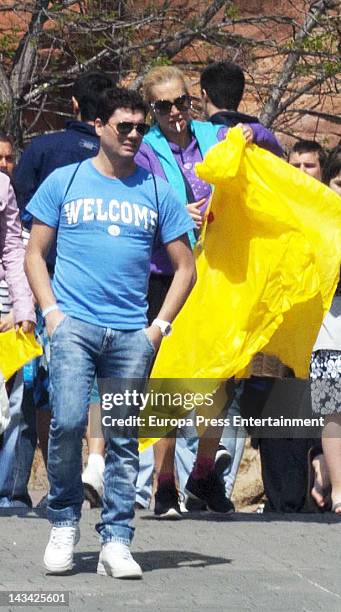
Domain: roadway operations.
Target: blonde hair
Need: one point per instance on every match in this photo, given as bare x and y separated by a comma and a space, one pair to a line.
158, 76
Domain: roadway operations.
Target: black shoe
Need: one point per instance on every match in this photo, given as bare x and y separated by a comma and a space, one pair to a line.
167, 503
210, 490
194, 504
138, 506
223, 460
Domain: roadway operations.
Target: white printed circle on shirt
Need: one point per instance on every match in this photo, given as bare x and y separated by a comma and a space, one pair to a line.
114, 230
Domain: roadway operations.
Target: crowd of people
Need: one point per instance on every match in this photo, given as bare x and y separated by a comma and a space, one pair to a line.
112, 208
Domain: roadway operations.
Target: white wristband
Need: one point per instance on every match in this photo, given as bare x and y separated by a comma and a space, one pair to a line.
49, 309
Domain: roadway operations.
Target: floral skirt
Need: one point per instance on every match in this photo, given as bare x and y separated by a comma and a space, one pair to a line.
325, 375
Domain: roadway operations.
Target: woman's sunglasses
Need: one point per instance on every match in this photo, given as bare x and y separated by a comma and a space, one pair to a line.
164, 107
125, 127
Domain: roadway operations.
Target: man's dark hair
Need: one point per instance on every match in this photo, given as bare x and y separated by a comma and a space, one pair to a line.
6, 138
117, 97
332, 166
224, 84
310, 146
86, 90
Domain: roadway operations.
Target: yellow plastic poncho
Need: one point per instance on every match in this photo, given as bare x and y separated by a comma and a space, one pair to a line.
268, 263
268, 266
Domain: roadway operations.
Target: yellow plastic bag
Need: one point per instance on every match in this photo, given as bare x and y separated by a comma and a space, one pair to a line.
268, 264
16, 349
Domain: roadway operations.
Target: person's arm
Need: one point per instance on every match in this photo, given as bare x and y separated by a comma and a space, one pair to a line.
181, 256
41, 238
12, 249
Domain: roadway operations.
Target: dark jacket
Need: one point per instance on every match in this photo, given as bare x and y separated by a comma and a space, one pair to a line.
265, 138
46, 153
231, 118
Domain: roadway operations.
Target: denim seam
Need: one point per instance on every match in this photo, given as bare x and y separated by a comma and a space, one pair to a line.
66, 523
107, 539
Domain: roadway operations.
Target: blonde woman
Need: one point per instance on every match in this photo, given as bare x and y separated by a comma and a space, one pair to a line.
170, 150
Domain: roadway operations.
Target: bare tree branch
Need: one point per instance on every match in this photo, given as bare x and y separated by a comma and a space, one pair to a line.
25, 56
327, 116
316, 9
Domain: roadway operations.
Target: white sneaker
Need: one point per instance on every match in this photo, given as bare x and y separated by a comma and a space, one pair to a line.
115, 560
92, 479
58, 556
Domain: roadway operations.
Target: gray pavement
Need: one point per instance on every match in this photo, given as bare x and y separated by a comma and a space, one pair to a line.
204, 562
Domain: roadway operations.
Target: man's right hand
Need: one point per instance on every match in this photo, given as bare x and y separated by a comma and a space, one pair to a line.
52, 320
196, 214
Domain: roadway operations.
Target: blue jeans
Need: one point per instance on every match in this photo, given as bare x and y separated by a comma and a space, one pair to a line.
121, 360
17, 447
233, 439
144, 484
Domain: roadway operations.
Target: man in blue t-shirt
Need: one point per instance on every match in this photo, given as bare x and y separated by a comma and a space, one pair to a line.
106, 212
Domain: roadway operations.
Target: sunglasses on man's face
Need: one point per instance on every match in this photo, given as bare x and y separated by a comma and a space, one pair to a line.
164, 107
125, 127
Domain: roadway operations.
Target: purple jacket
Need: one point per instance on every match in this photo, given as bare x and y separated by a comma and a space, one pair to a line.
148, 159
12, 252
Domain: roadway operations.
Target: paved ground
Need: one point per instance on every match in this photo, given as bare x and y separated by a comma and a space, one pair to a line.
204, 562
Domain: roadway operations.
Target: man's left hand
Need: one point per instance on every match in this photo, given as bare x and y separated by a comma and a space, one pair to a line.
154, 334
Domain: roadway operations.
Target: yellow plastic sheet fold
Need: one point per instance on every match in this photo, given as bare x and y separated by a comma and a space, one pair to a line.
16, 349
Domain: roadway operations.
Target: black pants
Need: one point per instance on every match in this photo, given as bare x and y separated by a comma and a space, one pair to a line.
283, 458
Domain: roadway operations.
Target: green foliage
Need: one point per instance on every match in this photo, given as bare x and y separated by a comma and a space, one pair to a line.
304, 70
332, 68
4, 113
318, 42
162, 60
8, 43
231, 12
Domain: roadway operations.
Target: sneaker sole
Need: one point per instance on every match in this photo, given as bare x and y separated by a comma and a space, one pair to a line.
193, 497
92, 496
171, 515
54, 569
106, 570
231, 511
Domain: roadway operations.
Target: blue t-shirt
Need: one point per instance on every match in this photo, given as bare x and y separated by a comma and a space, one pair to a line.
106, 229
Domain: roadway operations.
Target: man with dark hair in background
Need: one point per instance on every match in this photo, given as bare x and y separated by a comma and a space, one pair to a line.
6, 154
77, 142
309, 157
222, 87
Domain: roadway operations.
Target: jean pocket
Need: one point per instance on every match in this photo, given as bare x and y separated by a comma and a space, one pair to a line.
58, 327
150, 344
